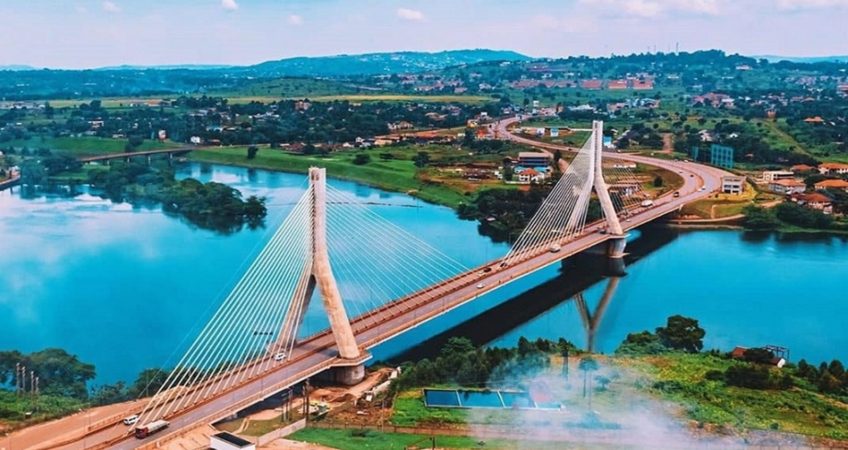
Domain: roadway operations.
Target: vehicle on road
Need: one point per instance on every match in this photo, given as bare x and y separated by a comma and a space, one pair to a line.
676, 194
479, 285
647, 203
554, 248
280, 356
131, 419
156, 426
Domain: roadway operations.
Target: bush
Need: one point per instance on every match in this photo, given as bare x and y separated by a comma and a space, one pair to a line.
747, 376
361, 159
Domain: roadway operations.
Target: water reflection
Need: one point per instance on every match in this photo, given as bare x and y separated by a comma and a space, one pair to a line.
575, 279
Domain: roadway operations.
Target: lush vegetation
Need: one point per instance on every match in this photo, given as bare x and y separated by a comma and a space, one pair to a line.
463, 364
375, 440
63, 386
790, 216
209, 205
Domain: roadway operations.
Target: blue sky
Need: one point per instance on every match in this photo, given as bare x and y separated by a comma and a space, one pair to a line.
92, 33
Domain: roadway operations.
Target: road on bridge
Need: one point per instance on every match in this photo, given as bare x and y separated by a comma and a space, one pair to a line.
318, 353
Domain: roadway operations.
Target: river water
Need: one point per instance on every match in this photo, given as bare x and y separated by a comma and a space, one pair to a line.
128, 288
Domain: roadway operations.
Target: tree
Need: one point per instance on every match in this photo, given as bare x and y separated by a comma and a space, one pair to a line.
421, 159
682, 333
147, 383
757, 218
252, 151
361, 159
658, 181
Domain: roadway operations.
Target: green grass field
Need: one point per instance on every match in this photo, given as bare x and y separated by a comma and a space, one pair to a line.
399, 174
374, 440
87, 146
796, 410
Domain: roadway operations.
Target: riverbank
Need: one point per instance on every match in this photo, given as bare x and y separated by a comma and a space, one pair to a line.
398, 173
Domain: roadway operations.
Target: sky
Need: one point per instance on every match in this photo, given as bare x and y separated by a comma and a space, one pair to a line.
96, 33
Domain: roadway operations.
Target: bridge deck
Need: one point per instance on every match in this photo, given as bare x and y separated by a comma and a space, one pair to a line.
318, 352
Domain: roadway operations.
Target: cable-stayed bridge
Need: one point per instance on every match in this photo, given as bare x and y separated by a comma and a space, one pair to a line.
254, 346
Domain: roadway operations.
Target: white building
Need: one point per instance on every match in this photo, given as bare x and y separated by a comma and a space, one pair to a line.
732, 184
774, 175
787, 187
227, 441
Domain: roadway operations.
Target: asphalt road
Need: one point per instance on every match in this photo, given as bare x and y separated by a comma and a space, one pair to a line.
318, 353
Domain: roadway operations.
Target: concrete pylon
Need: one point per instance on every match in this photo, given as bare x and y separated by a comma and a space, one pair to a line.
320, 273
618, 240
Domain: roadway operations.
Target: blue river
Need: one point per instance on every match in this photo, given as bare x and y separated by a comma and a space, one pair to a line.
128, 288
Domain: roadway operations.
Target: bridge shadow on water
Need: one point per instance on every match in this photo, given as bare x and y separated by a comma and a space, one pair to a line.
577, 274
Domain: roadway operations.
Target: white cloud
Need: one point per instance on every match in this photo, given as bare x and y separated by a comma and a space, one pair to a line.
110, 7
410, 14
654, 8
295, 20
229, 5
795, 5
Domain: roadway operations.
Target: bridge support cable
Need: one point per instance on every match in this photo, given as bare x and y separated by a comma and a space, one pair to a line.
380, 262
226, 340
559, 216
247, 338
379, 268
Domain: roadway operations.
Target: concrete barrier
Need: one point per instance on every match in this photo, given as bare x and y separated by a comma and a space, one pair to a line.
280, 433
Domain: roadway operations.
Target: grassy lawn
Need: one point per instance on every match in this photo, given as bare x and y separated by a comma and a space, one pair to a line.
398, 174
796, 410
88, 146
373, 440
410, 411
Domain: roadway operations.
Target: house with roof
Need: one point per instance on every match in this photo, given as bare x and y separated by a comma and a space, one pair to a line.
801, 168
832, 184
617, 84
593, 84
814, 200
643, 85
530, 175
833, 169
817, 120
787, 186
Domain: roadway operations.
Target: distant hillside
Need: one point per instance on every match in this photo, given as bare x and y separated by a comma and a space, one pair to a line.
378, 63
167, 67
16, 67
804, 59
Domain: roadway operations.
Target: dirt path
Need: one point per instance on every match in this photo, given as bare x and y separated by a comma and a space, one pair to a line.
668, 143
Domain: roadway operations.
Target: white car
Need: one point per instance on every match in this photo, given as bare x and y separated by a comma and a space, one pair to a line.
479, 285
554, 248
280, 356
130, 420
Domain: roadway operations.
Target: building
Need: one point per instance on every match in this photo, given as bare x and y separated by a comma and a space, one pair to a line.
732, 184
617, 84
833, 169
533, 159
227, 441
774, 175
801, 168
832, 184
787, 187
721, 156
814, 200
530, 175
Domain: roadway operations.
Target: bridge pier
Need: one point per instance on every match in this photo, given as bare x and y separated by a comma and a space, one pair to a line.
616, 246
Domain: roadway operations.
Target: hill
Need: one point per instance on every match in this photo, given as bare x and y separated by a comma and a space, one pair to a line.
804, 59
378, 63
